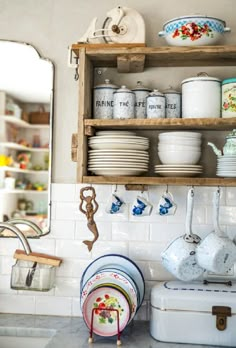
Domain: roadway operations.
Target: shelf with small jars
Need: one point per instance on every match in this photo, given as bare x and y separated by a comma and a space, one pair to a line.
134, 59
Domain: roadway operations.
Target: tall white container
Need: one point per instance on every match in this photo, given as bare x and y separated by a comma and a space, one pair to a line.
124, 100
229, 98
141, 93
173, 103
201, 97
156, 105
103, 100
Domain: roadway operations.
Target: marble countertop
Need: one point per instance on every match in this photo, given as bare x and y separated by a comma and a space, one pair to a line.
73, 333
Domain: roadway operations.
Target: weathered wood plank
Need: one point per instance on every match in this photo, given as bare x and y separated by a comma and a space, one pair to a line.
74, 147
130, 63
165, 123
183, 181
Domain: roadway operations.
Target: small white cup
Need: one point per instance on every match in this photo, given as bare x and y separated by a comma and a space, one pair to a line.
166, 205
115, 205
141, 207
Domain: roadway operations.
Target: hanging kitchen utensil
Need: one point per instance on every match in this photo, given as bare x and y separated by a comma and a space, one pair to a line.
179, 257
216, 253
91, 207
122, 25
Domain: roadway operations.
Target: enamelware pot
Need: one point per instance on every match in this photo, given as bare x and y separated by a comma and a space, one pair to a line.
201, 97
193, 30
179, 257
216, 253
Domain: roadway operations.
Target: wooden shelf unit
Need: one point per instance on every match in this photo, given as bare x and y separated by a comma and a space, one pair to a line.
136, 59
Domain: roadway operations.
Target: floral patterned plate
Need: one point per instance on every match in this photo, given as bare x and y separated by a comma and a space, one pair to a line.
116, 261
105, 321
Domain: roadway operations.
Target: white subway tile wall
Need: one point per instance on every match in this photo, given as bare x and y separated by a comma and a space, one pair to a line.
140, 238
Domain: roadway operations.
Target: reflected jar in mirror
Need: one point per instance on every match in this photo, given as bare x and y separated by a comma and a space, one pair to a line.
124, 100
141, 93
229, 97
156, 104
103, 100
173, 103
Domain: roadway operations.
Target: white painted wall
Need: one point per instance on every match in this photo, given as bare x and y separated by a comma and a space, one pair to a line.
51, 26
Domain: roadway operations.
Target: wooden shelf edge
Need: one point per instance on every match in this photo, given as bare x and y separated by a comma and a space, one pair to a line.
175, 181
165, 123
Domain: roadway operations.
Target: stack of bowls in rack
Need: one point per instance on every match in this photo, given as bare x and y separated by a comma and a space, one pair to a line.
118, 153
179, 153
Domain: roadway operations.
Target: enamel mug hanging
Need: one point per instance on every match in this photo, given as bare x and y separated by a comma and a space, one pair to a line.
103, 100
173, 103
156, 104
124, 100
141, 93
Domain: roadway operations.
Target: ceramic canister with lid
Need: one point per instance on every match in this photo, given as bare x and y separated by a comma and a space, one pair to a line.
156, 104
201, 97
141, 93
173, 103
103, 100
229, 97
124, 100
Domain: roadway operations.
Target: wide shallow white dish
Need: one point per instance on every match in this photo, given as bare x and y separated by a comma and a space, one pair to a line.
123, 172
121, 145
117, 137
118, 159
178, 166
116, 261
115, 132
119, 151
117, 165
177, 173
105, 322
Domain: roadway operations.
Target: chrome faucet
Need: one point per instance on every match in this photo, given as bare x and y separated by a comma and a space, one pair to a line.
18, 233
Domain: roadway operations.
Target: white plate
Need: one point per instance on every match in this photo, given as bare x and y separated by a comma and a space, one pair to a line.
123, 172
102, 133
116, 165
178, 166
227, 175
118, 159
116, 261
118, 137
115, 151
118, 146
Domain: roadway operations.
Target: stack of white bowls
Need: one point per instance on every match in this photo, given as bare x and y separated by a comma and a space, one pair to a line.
179, 153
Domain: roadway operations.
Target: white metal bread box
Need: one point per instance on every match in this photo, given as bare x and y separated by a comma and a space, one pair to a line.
194, 313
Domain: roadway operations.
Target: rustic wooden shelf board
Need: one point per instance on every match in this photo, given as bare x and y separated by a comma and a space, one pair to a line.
162, 56
183, 181
166, 123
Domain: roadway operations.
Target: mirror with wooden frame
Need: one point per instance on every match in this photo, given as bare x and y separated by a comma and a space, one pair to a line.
26, 115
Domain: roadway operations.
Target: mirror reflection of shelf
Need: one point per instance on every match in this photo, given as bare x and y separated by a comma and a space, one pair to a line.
15, 146
27, 171
23, 124
18, 191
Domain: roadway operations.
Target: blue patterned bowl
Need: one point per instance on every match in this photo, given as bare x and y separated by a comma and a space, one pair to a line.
193, 30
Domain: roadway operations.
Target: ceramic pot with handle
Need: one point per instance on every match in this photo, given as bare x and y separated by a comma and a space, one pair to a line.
216, 253
179, 257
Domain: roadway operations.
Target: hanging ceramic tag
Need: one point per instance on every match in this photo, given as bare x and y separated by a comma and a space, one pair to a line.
166, 205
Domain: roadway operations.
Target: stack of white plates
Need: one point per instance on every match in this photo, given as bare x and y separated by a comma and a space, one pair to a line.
118, 153
178, 170
226, 166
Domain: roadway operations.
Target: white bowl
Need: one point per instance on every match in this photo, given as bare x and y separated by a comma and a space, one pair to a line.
180, 141
179, 157
180, 135
170, 147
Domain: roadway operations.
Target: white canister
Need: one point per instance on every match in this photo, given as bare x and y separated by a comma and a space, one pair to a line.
173, 103
141, 93
156, 104
124, 100
103, 100
9, 183
201, 97
229, 97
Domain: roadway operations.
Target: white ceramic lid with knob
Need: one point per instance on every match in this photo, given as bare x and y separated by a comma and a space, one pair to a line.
140, 87
170, 90
202, 76
124, 89
107, 84
156, 93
